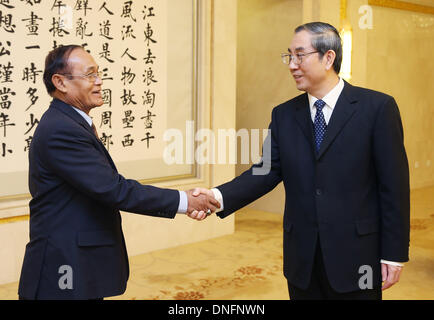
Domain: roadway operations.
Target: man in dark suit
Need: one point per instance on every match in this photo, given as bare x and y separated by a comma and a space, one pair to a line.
77, 248
339, 151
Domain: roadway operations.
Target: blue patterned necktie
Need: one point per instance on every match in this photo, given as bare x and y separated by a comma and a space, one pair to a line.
320, 124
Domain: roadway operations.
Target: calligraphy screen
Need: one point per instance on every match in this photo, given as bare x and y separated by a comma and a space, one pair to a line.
145, 51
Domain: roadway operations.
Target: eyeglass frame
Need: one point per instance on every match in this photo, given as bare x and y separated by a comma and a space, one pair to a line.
90, 77
298, 55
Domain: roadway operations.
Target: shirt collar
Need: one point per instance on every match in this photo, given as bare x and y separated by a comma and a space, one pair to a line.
84, 115
330, 98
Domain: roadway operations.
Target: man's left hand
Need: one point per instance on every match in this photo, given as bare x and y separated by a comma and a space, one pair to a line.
390, 274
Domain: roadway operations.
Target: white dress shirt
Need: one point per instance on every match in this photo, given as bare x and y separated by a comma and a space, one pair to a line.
330, 99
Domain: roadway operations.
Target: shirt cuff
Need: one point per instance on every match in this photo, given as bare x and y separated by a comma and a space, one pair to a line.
219, 197
392, 263
183, 202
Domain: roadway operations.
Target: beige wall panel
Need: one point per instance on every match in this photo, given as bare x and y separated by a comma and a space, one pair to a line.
399, 63
265, 29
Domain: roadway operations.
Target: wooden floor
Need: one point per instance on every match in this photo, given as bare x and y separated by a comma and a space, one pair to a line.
247, 265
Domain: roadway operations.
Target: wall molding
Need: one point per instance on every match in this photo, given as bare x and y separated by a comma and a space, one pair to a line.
402, 5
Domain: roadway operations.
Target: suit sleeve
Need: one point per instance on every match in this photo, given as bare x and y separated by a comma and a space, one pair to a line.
72, 156
260, 179
391, 165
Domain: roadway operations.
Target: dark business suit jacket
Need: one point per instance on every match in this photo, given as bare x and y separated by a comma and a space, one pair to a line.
74, 212
352, 196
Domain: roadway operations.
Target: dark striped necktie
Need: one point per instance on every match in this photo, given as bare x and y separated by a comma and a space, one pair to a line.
94, 131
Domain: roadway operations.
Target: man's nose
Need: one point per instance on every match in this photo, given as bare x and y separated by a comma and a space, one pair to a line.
98, 81
293, 65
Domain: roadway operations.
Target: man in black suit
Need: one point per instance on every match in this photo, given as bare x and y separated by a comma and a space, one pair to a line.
77, 248
339, 151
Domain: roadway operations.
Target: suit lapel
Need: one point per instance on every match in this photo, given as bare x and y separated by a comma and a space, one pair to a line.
344, 110
304, 120
67, 109
74, 115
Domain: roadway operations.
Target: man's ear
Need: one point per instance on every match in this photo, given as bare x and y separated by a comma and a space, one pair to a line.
330, 57
59, 82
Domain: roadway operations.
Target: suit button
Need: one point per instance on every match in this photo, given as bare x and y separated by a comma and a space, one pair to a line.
318, 192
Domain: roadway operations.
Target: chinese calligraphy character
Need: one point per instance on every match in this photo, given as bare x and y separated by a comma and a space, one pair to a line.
106, 118
148, 35
55, 44
31, 74
105, 75
107, 96
4, 119
4, 150
148, 138
80, 30
127, 76
28, 142
106, 140
84, 45
127, 98
104, 31
31, 3
148, 13
126, 10
4, 98
59, 5
148, 77
128, 119
148, 120
6, 72
31, 92
57, 27
6, 4
3, 50
104, 7
33, 121
32, 25
105, 52
127, 142
127, 32
149, 59
126, 53
6, 22
149, 98
82, 5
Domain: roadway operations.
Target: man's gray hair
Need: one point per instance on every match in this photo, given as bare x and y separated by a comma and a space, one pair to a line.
325, 38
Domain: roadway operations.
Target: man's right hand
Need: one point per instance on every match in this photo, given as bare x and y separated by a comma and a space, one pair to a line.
200, 202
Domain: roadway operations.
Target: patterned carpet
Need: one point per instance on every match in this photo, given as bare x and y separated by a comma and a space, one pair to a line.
247, 265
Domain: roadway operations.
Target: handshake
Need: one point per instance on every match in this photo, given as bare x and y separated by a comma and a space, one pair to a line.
201, 203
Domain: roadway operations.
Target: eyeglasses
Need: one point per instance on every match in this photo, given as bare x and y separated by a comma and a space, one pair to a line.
90, 77
296, 58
